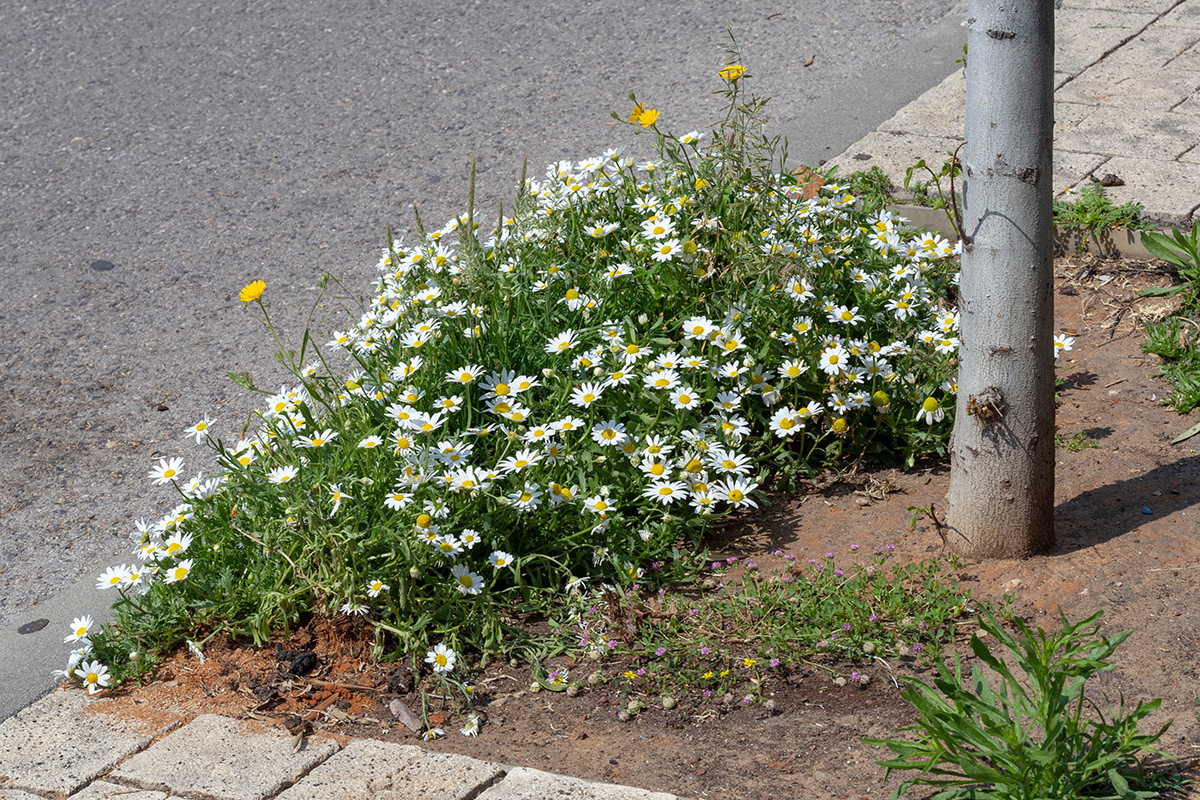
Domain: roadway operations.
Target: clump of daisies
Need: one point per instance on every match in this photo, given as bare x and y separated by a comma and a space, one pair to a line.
569, 395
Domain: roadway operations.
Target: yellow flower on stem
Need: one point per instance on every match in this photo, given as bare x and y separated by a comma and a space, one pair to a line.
252, 291
636, 114
732, 72
648, 117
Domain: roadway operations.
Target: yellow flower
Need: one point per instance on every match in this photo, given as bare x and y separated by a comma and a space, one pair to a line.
636, 114
749, 662
252, 291
732, 72
648, 117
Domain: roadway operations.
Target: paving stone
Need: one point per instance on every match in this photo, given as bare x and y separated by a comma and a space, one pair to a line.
1155, 7
1168, 189
1156, 47
17, 794
369, 769
216, 758
1191, 106
60, 743
1188, 60
1115, 132
1068, 115
1084, 36
937, 112
1073, 169
895, 153
103, 790
1184, 15
1114, 84
523, 783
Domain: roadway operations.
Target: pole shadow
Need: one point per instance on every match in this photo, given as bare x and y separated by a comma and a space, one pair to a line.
1121, 507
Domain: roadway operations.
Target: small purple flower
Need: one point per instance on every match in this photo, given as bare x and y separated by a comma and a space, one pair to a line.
774, 662
838, 572
854, 677
662, 651
822, 643
873, 618
731, 560
747, 700
751, 565
812, 561
846, 626
820, 567
612, 645
917, 648
854, 547
707, 694
704, 651
693, 612
777, 553
641, 671
790, 557
829, 555
890, 547
662, 591
716, 565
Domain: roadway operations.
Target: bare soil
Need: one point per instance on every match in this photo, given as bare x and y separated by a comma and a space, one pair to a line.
1127, 542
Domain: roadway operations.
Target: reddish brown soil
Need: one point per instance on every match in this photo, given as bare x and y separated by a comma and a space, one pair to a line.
1127, 542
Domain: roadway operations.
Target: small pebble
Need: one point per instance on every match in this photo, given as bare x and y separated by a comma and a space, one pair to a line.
668, 703
1147, 511
572, 690
839, 681
596, 678
623, 715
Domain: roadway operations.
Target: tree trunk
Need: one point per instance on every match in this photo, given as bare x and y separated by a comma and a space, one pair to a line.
1002, 450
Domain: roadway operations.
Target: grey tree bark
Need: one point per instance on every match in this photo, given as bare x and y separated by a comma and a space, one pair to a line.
1001, 501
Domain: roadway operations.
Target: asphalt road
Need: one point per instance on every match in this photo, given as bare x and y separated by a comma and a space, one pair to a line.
155, 157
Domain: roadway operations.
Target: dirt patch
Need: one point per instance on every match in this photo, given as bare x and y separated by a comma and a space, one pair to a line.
1127, 541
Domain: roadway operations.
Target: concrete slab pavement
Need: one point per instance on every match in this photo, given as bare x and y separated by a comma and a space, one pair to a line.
63, 742
1126, 103
66, 745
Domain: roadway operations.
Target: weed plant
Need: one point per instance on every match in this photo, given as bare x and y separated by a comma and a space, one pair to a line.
766, 620
1092, 213
1174, 339
1026, 728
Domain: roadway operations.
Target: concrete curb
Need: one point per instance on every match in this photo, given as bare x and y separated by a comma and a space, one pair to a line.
1109, 243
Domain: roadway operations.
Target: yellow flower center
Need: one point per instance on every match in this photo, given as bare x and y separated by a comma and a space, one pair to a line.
424, 521
737, 496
